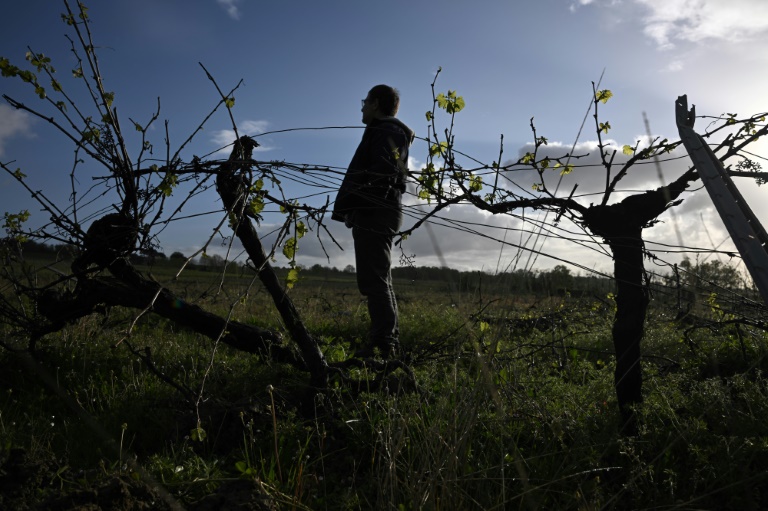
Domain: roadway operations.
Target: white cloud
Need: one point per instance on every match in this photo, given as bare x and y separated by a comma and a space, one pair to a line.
578, 3
461, 248
672, 21
590, 174
13, 123
414, 164
231, 7
254, 127
674, 66
668, 22
225, 138
467, 238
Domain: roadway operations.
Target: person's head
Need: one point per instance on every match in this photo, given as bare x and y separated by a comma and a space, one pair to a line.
382, 101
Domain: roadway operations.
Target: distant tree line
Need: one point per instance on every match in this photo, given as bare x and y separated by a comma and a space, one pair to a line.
555, 282
692, 277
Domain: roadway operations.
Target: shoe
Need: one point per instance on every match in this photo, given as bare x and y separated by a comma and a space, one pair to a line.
365, 351
390, 350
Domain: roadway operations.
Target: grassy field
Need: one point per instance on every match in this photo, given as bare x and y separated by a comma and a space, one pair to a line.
512, 408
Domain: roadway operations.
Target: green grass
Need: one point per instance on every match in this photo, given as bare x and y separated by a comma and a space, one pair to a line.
514, 408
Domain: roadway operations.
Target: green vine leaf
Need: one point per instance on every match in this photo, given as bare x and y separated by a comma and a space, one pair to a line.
83, 11
289, 249
169, 182
197, 434
12, 224
452, 103
256, 205
603, 95
7, 69
458, 105
91, 135
292, 278
475, 183
301, 229
428, 181
440, 148
27, 76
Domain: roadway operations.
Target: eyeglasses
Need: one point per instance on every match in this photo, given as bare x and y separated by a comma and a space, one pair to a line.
362, 102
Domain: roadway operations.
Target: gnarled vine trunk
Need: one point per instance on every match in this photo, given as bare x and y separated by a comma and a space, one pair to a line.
621, 226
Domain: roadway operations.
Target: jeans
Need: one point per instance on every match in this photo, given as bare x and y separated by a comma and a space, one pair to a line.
372, 232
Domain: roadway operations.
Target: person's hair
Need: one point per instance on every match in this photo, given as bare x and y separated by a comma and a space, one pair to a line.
389, 99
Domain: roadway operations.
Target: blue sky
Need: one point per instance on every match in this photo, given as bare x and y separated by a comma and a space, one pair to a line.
307, 64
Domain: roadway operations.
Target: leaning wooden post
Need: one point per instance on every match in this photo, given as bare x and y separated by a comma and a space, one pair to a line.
233, 187
745, 229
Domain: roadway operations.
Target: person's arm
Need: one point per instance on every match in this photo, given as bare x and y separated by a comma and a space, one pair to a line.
387, 145
355, 178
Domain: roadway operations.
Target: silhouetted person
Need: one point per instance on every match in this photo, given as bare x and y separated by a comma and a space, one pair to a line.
369, 201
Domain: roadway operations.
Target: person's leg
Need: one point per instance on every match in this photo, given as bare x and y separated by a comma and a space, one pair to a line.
373, 245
